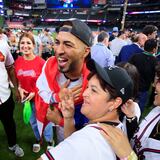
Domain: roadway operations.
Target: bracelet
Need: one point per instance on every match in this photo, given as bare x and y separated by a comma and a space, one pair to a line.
132, 156
130, 119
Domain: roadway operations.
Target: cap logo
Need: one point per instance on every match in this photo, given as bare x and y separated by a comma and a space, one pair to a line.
112, 67
122, 91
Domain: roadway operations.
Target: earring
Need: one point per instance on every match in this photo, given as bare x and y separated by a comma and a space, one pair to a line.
110, 109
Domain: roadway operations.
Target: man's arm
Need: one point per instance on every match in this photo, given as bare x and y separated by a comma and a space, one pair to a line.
12, 76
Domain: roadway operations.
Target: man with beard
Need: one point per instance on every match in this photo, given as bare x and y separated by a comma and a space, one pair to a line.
66, 70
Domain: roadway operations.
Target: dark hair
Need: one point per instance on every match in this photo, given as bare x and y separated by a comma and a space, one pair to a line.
102, 29
102, 36
135, 37
149, 29
150, 44
28, 35
133, 73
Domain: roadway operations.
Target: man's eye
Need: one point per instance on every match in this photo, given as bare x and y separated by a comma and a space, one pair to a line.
93, 90
56, 43
68, 45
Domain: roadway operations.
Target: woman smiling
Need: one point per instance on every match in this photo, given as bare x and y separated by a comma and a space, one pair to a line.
108, 88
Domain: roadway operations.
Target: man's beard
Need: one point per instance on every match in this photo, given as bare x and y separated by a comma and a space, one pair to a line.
70, 68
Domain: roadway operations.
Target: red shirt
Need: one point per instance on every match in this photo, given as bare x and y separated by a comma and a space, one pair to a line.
27, 72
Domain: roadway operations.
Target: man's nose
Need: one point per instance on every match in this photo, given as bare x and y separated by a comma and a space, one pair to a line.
59, 49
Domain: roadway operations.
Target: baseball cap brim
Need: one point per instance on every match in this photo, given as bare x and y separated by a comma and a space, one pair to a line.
95, 67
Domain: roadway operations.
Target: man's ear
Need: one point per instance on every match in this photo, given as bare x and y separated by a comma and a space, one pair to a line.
87, 51
106, 41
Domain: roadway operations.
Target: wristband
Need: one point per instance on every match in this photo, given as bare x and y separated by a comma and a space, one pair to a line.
130, 119
132, 156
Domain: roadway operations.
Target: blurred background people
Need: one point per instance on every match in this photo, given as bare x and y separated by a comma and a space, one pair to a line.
100, 52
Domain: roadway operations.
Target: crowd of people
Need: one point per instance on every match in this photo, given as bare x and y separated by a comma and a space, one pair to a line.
92, 94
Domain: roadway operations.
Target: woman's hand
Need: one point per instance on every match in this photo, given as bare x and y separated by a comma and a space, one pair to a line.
67, 104
23, 93
30, 96
117, 139
129, 108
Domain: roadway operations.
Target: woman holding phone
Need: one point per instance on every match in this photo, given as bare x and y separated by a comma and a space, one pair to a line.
28, 68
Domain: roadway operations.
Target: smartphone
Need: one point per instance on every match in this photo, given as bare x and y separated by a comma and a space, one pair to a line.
25, 99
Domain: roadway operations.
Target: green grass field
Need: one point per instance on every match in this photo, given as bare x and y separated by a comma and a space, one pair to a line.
25, 138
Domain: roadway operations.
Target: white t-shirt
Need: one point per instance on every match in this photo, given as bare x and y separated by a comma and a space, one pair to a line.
116, 46
85, 144
6, 60
149, 145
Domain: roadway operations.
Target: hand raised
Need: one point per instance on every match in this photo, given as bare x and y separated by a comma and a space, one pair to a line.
76, 90
129, 108
62, 88
67, 104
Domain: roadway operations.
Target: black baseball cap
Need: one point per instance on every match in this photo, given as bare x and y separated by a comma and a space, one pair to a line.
78, 29
116, 77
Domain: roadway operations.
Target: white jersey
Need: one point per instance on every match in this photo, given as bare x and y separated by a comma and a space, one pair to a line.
6, 60
144, 145
85, 144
